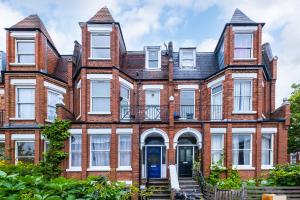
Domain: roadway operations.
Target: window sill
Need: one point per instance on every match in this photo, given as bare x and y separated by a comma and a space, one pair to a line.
244, 112
22, 64
120, 169
99, 113
242, 167
22, 119
244, 59
98, 169
153, 70
99, 59
266, 167
49, 121
188, 69
77, 169
221, 167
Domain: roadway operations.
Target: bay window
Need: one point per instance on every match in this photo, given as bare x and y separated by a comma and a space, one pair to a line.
217, 148
187, 103
100, 96
242, 150
267, 150
242, 95
243, 45
125, 102
24, 152
53, 99
25, 103
25, 51
75, 151
99, 150
216, 102
100, 45
124, 150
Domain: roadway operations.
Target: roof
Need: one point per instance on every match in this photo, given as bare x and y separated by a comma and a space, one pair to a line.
33, 22
239, 17
61, 70
103, 15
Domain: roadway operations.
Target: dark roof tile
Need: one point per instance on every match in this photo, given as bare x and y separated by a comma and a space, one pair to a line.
103, 15
239, 17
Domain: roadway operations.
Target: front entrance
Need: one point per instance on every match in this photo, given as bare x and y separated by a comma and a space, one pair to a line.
154, 162
185, 161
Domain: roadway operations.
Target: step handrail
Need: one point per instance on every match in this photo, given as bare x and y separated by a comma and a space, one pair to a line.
174, 178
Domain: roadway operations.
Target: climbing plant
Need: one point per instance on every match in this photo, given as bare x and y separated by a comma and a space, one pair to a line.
56, 133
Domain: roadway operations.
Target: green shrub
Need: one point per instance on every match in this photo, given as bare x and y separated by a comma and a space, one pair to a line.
285, 175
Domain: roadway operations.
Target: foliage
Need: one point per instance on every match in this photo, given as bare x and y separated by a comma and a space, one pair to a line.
285, 175
21, 168
56, 134
294, 129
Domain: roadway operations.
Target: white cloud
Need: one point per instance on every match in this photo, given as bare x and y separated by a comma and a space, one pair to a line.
207, 45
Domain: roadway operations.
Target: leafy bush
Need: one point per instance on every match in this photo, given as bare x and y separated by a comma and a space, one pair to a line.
21, 168
285, 175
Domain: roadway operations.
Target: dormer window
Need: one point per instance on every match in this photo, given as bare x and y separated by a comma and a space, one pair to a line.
243, 45
153, 58
187, 58
100, 45
25, 51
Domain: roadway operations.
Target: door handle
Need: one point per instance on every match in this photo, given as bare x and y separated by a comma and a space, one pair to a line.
185, 162
153, 165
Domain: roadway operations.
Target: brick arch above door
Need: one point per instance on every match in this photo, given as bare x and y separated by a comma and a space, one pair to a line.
194, 132
160, 132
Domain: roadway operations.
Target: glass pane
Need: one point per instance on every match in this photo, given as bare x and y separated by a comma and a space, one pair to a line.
100, 40
266, 157
153, 55
76, 159
125, 142
266, 141
25, 148
29, 160
100, 53
52, 98
217, 142
187, 97
243, 40
187, 63
124, 93
26, 111
100, 142
75, 142
216, 90
153, 64
242, 53
125, 158
187, 54
100, 89
26, 58
26, 95
25, 47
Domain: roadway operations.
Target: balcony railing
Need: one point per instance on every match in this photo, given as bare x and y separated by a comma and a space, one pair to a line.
198, 112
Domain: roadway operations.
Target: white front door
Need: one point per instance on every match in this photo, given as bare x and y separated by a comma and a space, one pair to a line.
152, 108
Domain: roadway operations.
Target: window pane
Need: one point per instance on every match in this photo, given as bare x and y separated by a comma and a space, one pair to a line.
124, 93
153, 55
76, 150
187, 63
216, 90
241, 146
25, 47
242, 53
242, 95
242, 40
187, 55
100, 88
100, 40
153, 64
125, 158
100, 150
101, 53
26, 111
125, 142
26, 95
26, 58
187, 97
25, 149
100, 142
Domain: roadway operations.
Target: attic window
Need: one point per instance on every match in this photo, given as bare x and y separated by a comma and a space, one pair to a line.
25, 51
187, 58
243, 45
100, 45
153, 58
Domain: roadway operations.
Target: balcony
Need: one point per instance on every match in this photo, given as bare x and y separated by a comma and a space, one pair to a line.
198, 112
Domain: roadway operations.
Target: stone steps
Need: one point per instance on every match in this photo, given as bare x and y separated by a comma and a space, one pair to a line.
161, 189
190, 188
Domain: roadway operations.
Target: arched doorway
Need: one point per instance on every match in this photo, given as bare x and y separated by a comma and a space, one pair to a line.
187, 143
154, 144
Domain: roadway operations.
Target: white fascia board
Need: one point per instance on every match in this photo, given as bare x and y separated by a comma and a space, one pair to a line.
2, 136
244, 75
22, 81
217, 130
75, 131
23, 137
78, 84
99, 76
99, 27
196, 87
216, 81
99, 131
243, 130
126, 83
268, 130
55, 87
124, 131
23, 34
145, 87
244, 28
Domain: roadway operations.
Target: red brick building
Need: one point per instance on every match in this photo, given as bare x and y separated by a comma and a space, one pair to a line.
135, 113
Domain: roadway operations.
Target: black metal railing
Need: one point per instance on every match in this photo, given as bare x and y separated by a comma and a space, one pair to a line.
199, 112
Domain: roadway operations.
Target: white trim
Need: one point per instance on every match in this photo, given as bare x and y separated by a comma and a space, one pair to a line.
99, 76
181, 55
99, 169
54, 87
146, 87
269, 130
242, 29
23, 136
218, 130
23, 34
244, 112
174, 178
147, 49
126, 182
196, 87
244, 75
75, 131
1, 91
125, 82
243, 130
244, 167
2, 136
74, 169
216, 82
99, 27
78, 84
148, 132
124, 131
16, 149
22, 64
99, 131
22, 81
99, 113
124, 168
267, 167
195, 132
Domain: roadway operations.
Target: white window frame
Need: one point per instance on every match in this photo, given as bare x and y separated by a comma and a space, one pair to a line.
58, 94
246, 167
71, 168
251, 51
91, 97
270, 166
181, 51
147, 51
212, 96
16, 51
101, 33
124, 167
99, 167
250, 111
129, 90
194, 96
16, 150
221, 149
17, 104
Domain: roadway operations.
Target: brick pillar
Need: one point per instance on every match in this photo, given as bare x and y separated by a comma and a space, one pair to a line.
85, 152
115, 96
260, 94
256, 157
113, 153
84, 93
37, 147
228, 146
135, 162
282, 143
206, 149
8, 146
171, 150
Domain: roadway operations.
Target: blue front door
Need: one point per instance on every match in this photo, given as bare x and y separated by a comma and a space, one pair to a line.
154, 162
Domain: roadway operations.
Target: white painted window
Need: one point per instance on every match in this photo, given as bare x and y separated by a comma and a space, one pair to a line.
242, 150
267, 150
243, 45
25, 102
125, 102
25, 51
242, 95
153, 58
99, 150
187, 104
152, 108
24, 151
187, 58
100, 45
124, 150
100, 96
217, 148
53, 99
75, 151
2, 149
293, 158
216, 102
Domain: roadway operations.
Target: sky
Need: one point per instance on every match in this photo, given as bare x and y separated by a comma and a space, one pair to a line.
197, 23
